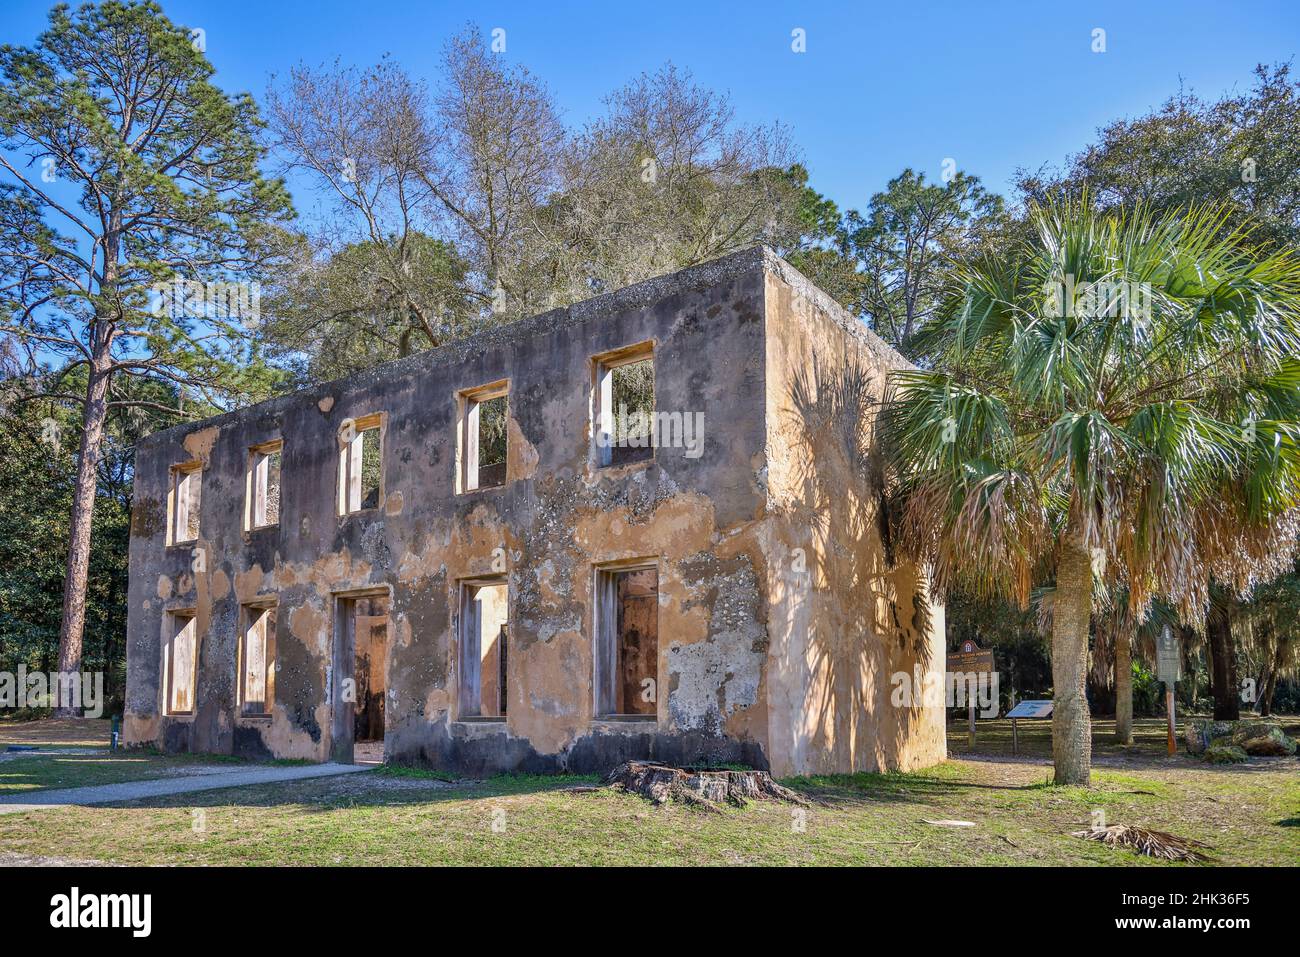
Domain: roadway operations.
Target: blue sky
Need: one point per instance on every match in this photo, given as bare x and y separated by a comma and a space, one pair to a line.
992, 85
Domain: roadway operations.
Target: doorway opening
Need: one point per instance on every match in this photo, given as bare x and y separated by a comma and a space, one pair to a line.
484, 642
627, 641
361, 664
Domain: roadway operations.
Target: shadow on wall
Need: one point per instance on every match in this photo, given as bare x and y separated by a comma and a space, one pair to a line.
867, 616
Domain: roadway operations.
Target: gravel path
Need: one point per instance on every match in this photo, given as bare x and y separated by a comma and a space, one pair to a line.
133, 790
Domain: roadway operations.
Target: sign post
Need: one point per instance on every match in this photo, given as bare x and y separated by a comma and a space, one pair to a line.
1027, 709
1169, 668
970, 658
1169, 707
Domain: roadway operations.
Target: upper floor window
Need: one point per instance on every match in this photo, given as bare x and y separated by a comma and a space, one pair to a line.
483, 441
263, 498
623, 405
183, 503
361, 476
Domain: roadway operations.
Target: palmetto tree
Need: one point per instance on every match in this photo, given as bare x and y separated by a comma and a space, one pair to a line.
1114, 404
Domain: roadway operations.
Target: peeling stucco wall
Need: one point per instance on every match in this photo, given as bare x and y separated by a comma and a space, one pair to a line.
842, 617
738, 680
556, 517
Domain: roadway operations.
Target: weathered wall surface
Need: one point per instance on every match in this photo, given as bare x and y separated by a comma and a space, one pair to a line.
545, 529
780, 616
841, 619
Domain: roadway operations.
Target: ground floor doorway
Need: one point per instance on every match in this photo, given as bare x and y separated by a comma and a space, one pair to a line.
361, 648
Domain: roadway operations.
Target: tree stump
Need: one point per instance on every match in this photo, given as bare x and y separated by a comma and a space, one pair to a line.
706, 788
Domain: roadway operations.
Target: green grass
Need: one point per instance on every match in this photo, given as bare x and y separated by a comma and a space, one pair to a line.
1249, 814
54, 732
422, 774
38, 771
396, 817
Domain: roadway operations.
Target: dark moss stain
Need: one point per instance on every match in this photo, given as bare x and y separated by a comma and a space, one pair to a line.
484, 755
148, 518
247, 743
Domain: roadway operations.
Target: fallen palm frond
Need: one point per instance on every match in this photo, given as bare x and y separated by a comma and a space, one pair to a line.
1161, 844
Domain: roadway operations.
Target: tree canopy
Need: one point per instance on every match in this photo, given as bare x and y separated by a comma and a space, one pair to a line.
149, 175
1114, 403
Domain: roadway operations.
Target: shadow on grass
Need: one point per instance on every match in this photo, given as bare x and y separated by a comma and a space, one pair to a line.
385, 786
895, 786
395, 785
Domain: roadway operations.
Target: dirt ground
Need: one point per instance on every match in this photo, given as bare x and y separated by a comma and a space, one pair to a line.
56, 732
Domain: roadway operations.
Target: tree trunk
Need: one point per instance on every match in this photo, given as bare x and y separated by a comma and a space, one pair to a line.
1123, 686
83, 509
1275, 667
1265, 705
1071, 613
1187, 638
1223, 661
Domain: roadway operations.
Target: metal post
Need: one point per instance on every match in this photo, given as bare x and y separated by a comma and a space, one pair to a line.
1169, 707
972, 724
1015, 739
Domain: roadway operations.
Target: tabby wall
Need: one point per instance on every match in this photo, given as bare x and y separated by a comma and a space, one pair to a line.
780, 620
843, 618
556, 518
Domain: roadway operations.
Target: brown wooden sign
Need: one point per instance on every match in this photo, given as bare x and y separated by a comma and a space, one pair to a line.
970, 657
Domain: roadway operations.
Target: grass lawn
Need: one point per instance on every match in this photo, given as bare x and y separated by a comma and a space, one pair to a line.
1248, 814
85, 759
20, 773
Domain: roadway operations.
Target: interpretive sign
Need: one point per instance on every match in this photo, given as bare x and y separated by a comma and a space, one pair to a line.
970, 658
1026, 709
1031, 709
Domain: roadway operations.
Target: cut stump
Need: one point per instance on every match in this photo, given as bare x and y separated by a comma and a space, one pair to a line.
706, 788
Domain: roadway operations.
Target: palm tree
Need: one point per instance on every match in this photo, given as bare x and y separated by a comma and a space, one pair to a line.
1114, 404
1127, 634
1117, 634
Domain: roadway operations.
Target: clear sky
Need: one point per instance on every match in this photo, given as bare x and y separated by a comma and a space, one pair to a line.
992, 85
